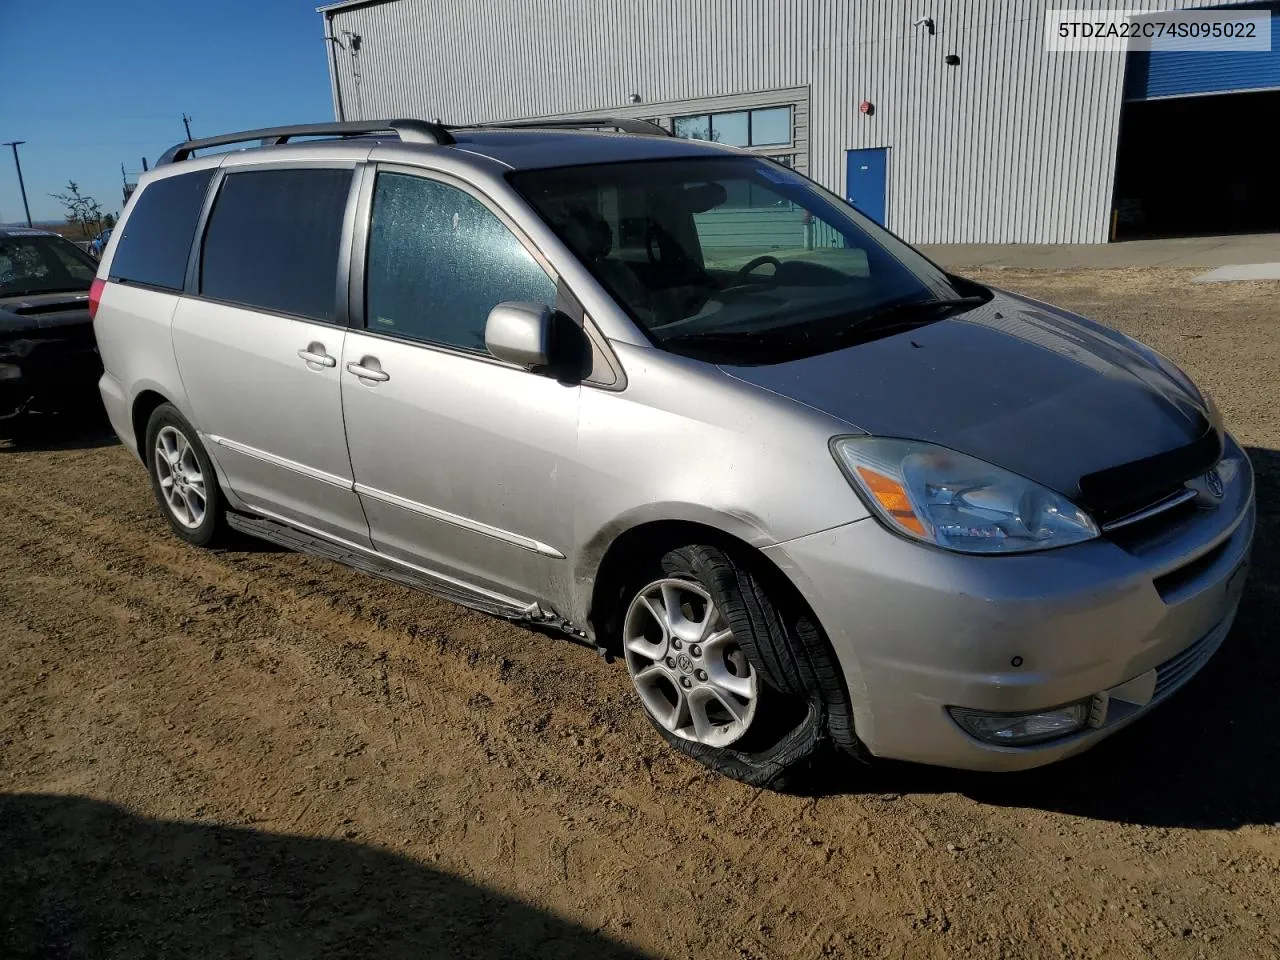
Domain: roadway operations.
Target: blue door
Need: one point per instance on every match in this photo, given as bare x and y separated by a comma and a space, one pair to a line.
866, 178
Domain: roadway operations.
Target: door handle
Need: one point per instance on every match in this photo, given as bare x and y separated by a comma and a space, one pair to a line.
368, 373
317, 356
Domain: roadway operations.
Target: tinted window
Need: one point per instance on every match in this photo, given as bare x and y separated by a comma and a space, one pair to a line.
36, 264
439, 261
272, 241
77, 264
157, 232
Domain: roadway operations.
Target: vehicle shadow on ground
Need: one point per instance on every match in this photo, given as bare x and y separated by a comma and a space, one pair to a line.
84, 430
89, 879
1209, 758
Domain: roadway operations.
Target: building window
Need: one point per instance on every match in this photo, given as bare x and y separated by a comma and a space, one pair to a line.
769, 127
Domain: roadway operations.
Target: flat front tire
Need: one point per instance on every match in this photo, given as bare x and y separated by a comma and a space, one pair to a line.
730, 666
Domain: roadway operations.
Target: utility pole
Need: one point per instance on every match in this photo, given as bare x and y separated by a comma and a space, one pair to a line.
21, 186
186, 122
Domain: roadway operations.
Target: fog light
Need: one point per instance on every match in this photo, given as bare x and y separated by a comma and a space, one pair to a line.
1020, 729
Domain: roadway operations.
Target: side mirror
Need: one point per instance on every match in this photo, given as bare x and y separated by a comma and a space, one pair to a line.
521, 333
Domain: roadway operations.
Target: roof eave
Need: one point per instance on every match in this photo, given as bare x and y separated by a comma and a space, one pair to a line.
330, 8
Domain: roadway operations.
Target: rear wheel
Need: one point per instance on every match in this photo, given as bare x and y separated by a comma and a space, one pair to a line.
730, 666
183, 479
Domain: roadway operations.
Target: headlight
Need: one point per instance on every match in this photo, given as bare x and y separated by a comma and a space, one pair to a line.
10, 371
936, 495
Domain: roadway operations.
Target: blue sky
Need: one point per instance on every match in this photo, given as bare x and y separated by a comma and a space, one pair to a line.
90, 84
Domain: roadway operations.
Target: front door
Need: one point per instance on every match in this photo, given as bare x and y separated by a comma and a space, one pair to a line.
258, 346
463, 464
866, 180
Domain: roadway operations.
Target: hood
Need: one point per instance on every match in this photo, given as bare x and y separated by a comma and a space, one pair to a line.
43, 311
1038, 391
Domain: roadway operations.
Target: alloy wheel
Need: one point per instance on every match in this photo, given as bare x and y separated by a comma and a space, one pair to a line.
180, 477
692, 676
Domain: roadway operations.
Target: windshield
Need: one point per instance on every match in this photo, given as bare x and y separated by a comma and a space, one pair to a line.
737, 252
37, 264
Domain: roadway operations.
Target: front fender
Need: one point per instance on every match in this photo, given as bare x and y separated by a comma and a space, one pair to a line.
741, 526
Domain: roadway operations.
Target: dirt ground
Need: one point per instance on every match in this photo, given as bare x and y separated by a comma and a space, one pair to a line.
257, 754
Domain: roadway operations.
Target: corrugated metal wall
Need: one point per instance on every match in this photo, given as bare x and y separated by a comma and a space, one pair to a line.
1014, 145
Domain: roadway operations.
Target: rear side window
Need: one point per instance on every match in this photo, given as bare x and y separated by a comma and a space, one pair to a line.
156, 237
273, 238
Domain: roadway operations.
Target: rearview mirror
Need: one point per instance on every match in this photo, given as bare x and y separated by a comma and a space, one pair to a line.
520, 332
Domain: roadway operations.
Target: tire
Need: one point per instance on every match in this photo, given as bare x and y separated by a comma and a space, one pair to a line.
800, 703
205, 527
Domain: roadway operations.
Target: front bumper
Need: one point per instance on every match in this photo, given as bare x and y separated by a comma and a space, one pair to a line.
919, 629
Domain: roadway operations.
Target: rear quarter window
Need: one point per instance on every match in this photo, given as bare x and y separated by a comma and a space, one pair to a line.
158, 231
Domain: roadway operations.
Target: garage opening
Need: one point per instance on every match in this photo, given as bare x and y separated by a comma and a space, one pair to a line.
1198, 165
1197, 128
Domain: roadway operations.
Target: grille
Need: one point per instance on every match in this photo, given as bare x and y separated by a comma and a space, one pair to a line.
1176, 671
1117, 492
1180, 497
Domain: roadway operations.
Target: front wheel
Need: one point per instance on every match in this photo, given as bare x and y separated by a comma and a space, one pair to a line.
182, 478
730, 666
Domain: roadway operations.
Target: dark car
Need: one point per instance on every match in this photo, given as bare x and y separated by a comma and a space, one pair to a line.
48, 358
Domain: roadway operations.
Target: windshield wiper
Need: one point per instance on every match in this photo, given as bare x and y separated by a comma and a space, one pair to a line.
917, 307
821, 330
803, 339
735, 338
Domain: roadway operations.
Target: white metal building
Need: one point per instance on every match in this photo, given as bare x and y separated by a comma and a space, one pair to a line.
945, 119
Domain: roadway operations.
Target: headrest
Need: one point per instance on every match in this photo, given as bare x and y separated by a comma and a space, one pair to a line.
587, 232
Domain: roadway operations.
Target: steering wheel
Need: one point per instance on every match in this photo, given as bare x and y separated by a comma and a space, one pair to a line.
751, 266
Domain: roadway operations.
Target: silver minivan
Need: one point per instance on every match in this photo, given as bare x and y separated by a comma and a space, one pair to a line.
681, 403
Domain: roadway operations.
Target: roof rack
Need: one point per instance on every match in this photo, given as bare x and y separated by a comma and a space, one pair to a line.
409, 131
625, 124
